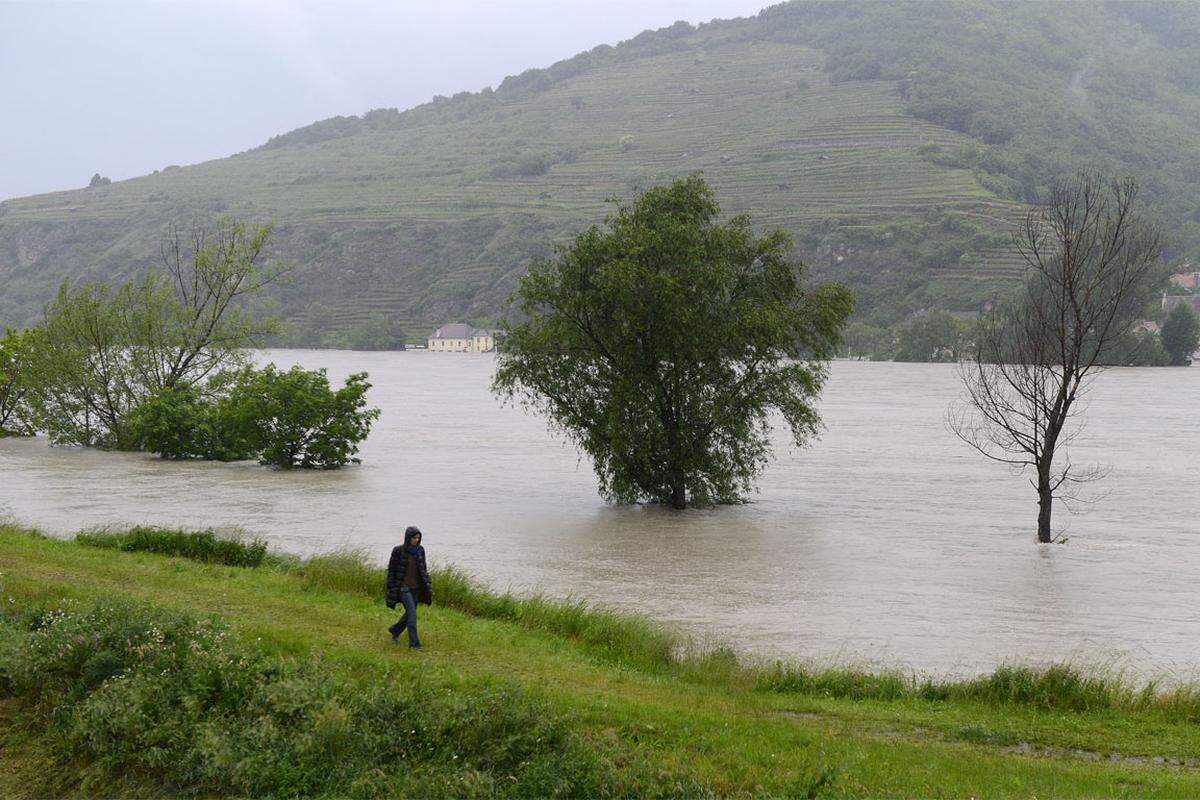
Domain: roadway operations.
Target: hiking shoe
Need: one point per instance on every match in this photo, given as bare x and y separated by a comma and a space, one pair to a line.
395, 633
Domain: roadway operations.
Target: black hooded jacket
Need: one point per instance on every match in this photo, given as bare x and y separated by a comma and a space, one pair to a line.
397, 565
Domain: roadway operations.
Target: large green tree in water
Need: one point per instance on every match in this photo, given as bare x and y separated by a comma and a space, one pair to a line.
662, 343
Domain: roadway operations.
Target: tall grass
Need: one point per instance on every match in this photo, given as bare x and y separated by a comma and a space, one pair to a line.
834, 682
137, 689
205, 546
1057, 687
620, 635
345, 571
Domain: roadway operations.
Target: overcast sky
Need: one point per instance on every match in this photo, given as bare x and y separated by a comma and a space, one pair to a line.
124, 87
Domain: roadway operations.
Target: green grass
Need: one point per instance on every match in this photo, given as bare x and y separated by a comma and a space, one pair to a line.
1052, 688
134, 688
203, 546
622, 637
676, 723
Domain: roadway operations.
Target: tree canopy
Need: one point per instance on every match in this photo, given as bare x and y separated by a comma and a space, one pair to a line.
102, 350
661, 342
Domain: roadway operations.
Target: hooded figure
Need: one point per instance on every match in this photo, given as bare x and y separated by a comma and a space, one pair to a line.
408, 583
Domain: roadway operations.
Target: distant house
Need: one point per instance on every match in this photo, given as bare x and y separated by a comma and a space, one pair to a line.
458, 337
1186, 280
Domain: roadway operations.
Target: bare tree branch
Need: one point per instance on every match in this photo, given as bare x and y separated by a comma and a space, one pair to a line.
1089, 258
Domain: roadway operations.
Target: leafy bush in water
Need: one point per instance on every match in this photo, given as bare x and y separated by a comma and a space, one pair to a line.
288, 419
294, 418
137, 689
172, 422
933, 336
203, 546
179, 423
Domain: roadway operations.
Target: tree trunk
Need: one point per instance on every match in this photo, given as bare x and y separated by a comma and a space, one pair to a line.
678, 496
1045, 503
1045, 462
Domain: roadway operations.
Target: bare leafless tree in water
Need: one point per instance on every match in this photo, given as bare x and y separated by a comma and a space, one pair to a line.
1090, 258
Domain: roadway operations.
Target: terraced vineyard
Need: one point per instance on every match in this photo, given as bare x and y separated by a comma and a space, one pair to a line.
431, 214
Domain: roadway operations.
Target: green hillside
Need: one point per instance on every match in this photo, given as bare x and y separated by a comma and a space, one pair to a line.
896, 141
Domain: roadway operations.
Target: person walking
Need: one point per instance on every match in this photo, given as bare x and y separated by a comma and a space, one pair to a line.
408, 584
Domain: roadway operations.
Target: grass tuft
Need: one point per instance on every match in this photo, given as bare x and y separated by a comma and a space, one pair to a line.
836, 682
205, 546
624, 637
347, 571
1056, 687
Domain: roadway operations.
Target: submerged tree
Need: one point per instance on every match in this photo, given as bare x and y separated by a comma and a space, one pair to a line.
1090, 258
294, 419
662, 342
103, 350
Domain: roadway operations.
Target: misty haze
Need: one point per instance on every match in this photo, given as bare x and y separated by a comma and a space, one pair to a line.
682, 397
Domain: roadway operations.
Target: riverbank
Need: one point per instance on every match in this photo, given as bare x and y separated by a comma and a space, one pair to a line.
626, 707
843, 554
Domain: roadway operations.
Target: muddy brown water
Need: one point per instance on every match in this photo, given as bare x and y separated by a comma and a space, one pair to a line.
887, 543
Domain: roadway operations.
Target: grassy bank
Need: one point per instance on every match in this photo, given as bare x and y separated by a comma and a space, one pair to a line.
114, 682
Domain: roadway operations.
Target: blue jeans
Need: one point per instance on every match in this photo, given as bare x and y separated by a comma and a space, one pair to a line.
409, 618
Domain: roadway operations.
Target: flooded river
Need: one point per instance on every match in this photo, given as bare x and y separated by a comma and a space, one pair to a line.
886, 543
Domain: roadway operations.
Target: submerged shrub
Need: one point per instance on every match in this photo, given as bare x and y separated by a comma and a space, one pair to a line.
172, 422
203, 546
294, 419
178, 423
286, 419
16, 418
136, 688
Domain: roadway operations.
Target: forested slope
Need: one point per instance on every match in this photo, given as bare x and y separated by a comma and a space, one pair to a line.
896, 141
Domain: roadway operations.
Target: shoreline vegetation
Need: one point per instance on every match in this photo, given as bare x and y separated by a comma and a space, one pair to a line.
148, 661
